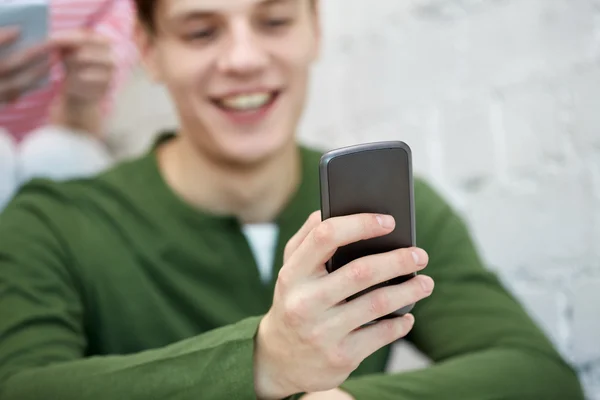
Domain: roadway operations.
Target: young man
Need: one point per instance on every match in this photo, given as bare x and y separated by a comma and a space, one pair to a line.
142, 283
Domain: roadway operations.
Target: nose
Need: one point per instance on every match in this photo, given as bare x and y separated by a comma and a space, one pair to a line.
244, 54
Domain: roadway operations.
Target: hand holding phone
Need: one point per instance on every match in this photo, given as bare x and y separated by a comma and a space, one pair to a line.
312, 339
24, 51
23, 70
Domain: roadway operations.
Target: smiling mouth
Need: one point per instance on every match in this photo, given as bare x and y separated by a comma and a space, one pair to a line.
247, 103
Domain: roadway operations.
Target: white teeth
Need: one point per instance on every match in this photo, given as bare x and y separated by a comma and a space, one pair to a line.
247, 102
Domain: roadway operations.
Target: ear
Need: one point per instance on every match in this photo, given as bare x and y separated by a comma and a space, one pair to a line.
145, 41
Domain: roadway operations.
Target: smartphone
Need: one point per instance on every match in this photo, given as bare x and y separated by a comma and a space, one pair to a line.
32, 18
370, 178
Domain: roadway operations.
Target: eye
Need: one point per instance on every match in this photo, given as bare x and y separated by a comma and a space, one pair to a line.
277, 22
201, 35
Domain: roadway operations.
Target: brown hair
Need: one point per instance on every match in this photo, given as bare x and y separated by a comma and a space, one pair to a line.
146, 8
145, 11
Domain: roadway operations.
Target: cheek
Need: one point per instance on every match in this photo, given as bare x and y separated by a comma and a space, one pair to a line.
182, 70
300, 57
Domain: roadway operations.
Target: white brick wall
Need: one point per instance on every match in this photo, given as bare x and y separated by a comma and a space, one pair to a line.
500, 101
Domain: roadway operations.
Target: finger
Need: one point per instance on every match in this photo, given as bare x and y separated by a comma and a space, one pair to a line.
99, 40
90, 85
92, 82
22, 60
71, 40
382, 302
92, 57
8, 35
11, 90
367, 340
322, 241
292, 245
369, 271
67, 39
95, 76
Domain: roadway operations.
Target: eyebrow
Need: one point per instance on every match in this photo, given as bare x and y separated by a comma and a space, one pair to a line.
194, 14
272, 2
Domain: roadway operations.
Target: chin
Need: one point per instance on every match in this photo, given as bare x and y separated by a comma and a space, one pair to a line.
252, 151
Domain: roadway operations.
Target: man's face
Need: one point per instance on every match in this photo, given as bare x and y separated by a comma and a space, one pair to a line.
236, 69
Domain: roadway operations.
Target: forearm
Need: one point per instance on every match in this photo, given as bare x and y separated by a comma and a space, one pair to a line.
498, 373
218, 364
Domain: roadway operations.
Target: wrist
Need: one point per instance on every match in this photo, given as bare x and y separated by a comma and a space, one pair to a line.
268, 380
77, 114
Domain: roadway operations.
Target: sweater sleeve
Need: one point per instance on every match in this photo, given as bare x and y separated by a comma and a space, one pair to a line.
43, 345
482, 342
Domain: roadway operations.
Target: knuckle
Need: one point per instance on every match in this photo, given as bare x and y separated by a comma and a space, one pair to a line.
339, 358
315, 337
402, 260
391, 330
323, 234
315, 217
284, 279
370, 224
323, 297
379, 303
287, 250
360, 272
295, 311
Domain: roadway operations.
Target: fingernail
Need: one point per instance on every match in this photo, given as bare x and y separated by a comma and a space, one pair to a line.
427, 283
420, 257
415, 257
386, 221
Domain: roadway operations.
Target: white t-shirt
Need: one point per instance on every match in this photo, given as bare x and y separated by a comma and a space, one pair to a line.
262, 239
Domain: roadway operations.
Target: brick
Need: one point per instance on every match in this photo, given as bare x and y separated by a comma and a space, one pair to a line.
544, 303
586, 324
583, 86
523, 39
595, 219
466, 136
390, 54
538, 227
141, 110
533, 130
443, 10
590, 379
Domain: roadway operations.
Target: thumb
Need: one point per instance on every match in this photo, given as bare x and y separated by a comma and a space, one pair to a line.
8, 35
292, 245
67, 40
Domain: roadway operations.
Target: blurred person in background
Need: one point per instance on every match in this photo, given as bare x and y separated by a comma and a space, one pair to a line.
197, 270
58, 131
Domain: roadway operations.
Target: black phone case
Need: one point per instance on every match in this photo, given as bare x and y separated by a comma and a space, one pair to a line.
370, 178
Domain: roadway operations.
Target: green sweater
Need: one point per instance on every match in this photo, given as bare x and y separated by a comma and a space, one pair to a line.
114, 288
